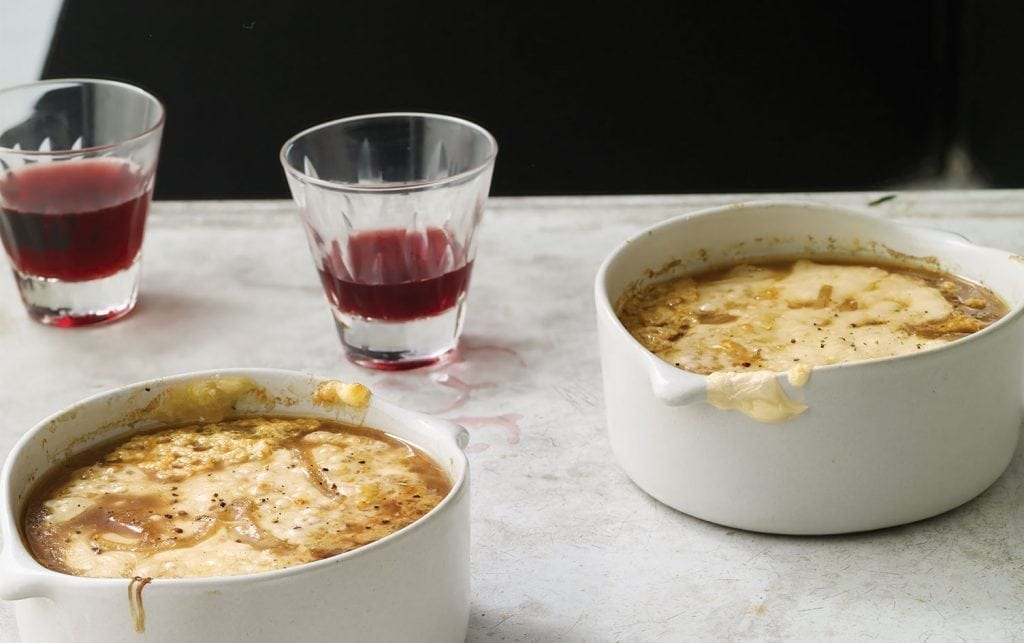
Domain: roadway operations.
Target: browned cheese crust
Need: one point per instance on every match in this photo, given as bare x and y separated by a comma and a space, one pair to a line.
773, 316
230, 497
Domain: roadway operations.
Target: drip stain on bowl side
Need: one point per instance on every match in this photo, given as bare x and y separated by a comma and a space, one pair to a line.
929, 262
135, 606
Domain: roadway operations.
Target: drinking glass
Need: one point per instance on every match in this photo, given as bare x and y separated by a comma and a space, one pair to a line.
390, 204
77, 163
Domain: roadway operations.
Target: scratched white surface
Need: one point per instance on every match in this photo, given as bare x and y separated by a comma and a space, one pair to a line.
564, 546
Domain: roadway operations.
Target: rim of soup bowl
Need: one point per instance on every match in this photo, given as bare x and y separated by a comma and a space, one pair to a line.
24, 577
676, 386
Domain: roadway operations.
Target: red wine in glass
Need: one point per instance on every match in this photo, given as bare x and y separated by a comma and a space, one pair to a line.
73, 220
396, 274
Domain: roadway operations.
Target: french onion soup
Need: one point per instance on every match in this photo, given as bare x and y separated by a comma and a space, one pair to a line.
775, 315
228, 497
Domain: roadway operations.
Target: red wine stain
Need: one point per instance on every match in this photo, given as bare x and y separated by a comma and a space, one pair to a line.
467, 348
424, 391
412, 391
462, 390
477, 447
135, 587
398, 383
508, 423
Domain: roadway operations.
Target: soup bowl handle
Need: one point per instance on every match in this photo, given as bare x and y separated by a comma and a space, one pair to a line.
673, 386
17, 584
456, 432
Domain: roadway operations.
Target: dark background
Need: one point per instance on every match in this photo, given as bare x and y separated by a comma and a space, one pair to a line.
645, 97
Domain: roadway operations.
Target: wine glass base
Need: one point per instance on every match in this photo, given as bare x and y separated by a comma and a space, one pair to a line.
68, 304
399, 363
401, 345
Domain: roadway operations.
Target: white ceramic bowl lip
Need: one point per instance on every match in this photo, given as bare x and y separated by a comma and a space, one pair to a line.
15, 557
606, 308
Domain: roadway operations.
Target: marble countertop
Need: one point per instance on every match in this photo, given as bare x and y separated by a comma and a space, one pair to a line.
565, 547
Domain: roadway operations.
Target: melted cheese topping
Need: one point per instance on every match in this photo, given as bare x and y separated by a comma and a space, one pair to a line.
335, 393
231, 497
775, 316
210, 399
758, 395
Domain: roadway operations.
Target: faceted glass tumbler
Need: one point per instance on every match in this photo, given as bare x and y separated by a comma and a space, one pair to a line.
390, 204
78, 162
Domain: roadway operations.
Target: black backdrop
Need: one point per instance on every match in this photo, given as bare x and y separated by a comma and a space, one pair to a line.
645, 97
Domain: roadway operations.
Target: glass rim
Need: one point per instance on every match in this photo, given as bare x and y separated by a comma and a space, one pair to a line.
395, 186
88, 81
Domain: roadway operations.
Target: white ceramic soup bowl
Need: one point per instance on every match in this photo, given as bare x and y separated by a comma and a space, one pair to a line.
412, 585
883, 442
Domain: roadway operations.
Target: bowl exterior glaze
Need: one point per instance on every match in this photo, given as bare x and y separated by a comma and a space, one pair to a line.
883, 442
410, 586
